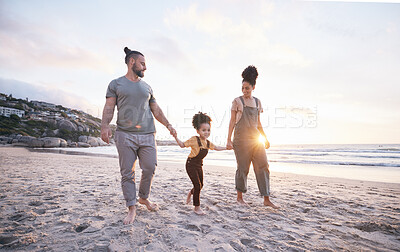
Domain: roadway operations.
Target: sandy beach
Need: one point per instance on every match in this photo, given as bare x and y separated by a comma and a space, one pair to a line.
58, 202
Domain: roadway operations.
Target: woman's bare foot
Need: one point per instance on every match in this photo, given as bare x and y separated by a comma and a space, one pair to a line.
189, 197
150, 206
130, 218
267, 202
198, 210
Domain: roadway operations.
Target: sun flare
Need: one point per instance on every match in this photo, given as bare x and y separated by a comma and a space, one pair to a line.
261, 139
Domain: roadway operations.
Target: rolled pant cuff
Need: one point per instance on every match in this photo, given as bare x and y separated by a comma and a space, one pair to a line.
241, 190
131, 203
142, 196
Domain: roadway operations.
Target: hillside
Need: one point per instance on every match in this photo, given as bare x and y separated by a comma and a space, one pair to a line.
41, 119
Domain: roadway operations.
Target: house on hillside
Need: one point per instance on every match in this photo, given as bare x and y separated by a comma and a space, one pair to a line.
55, 116
5, 111
43, 104
72, 116
36, 116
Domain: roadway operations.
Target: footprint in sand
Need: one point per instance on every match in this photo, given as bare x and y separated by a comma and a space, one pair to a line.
192, 227
8, 240
97, 217
205, 228
227, 227
22, 217
40, 211
81, 227
237, 246
299, 221
246, 242
35, 203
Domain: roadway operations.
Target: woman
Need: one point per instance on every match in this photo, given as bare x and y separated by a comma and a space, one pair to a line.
245, 120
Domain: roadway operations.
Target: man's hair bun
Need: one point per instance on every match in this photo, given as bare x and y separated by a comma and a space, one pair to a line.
127, 51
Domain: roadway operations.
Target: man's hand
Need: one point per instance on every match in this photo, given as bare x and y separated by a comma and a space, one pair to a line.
106, 133
172, 131
108, 113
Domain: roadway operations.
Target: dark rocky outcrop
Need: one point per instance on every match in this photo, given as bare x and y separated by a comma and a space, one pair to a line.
51, 142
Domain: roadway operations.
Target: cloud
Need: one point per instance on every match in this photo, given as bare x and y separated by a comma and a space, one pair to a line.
31, 45
206, 90
239, 36
391, 28
168, 52
22, 90
207, 21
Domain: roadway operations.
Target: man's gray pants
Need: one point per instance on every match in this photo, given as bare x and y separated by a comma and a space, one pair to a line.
131, 147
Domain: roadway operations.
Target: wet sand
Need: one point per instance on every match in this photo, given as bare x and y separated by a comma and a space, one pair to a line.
59, 202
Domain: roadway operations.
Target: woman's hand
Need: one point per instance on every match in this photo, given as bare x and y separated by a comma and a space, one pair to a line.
229, 145
267, 144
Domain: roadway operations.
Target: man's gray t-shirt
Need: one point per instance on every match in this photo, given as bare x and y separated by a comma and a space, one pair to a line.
133, 103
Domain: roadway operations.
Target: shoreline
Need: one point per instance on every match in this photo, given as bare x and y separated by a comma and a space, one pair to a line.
74, 202
66, 152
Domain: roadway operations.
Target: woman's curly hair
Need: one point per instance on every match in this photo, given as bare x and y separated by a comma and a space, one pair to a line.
250, 75
199, 119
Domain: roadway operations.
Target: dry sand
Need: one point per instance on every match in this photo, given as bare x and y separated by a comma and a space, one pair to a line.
56, 202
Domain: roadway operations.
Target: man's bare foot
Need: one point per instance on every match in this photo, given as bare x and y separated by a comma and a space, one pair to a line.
267, 202
242, 203
198, 210
189, 196
150, 206
130, 218
240, 200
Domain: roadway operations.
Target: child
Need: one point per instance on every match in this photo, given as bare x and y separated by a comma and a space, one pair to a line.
200, 145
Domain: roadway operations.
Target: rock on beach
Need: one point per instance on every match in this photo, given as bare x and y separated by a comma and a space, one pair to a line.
51, 142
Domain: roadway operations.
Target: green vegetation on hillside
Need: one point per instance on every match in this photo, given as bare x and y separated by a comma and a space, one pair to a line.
46, 124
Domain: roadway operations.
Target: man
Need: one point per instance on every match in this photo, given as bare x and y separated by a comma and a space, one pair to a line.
135, 134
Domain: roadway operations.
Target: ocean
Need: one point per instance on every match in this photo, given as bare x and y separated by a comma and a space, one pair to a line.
370, 162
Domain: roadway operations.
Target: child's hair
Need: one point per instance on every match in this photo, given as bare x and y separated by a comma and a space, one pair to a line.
250, 75
199, 119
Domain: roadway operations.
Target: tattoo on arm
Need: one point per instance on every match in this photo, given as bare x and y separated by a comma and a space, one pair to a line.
158, 114
108, 112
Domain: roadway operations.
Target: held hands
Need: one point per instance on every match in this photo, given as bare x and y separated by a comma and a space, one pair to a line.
106, 133
229, 145
172, 131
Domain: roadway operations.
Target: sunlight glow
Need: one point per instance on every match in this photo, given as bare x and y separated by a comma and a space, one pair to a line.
261, 139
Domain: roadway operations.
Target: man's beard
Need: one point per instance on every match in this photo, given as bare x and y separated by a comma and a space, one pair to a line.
137, 72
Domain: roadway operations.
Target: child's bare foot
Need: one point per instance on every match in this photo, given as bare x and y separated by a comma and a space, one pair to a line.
189, 196
241, 202
130, 218
267, 202
150, 206
198, 210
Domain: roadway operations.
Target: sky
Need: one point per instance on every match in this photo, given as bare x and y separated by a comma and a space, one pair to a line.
328, 70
